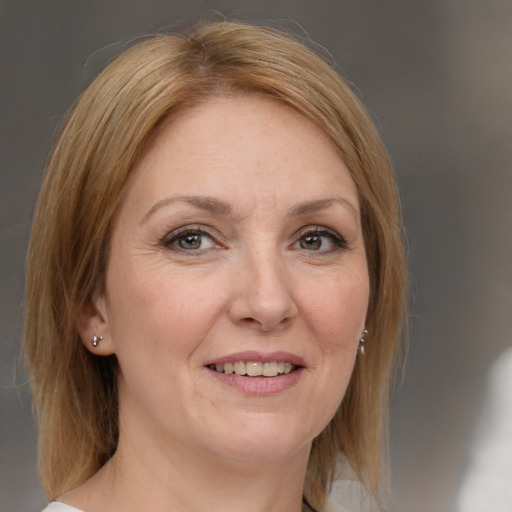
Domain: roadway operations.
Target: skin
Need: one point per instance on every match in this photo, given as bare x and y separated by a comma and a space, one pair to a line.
251, 280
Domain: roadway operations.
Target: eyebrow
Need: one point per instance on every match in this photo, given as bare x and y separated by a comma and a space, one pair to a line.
208, 204
320, 204
218, 207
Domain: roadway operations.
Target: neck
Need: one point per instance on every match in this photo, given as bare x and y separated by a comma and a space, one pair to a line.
171, 478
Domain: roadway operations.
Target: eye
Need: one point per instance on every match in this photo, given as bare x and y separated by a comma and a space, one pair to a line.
319, 240
189, 240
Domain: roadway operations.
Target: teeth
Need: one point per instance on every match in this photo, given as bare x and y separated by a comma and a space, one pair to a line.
254, 368
240, 368
270, 369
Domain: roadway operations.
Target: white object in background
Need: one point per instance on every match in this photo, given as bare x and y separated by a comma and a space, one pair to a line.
488, 483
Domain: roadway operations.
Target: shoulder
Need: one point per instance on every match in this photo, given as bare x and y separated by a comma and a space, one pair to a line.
330, 506
60, 507
55, 506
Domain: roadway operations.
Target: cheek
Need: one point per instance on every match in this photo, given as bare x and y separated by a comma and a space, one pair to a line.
336, 320
168, 314
337, 311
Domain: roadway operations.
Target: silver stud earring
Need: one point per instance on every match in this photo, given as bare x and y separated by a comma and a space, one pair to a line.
96, 340
360, 348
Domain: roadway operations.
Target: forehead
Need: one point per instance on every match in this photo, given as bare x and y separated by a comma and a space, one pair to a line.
241, 146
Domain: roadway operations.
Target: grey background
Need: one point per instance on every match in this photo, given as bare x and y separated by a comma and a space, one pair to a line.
436, 75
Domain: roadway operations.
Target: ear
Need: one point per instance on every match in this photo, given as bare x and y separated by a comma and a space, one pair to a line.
93, 327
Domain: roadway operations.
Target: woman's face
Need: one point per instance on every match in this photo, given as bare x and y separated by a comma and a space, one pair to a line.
237, 248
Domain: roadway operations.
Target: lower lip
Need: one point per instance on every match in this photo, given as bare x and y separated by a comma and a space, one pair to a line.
259, 386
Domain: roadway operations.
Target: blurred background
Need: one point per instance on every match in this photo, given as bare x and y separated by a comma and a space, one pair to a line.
437, 78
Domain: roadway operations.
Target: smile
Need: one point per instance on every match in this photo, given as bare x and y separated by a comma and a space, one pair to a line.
254, 368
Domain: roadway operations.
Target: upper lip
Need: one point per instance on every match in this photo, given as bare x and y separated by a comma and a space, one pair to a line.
259, 357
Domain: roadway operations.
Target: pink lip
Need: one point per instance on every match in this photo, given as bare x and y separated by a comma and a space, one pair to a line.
259, 357
259, 386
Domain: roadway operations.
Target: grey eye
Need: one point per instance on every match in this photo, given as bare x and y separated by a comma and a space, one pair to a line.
190, 240
311, 242
320, 240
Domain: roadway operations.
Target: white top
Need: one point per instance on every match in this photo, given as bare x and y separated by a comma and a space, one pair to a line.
330, 506
486, 485
56, 506
61, 507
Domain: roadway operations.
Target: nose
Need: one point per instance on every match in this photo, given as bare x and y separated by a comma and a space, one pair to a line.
262, 297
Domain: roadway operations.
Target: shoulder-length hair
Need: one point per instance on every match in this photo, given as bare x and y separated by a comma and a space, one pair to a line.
75, 392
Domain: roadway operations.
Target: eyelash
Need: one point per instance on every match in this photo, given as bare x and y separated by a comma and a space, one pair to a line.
339, 243
180, 233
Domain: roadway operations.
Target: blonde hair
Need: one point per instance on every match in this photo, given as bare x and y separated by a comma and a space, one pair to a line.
75, 392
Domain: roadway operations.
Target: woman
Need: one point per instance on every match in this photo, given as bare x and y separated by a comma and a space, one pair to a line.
217, 234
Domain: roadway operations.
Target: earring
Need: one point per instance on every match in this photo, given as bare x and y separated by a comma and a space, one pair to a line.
96, 340
360, 348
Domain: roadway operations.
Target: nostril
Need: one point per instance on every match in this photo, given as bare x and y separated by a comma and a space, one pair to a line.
252, 323
267, 324
249, 320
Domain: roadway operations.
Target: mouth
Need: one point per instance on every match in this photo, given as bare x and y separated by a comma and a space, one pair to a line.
254, 368
258, 374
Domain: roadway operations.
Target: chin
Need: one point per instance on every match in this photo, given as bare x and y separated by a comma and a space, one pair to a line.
263, 438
